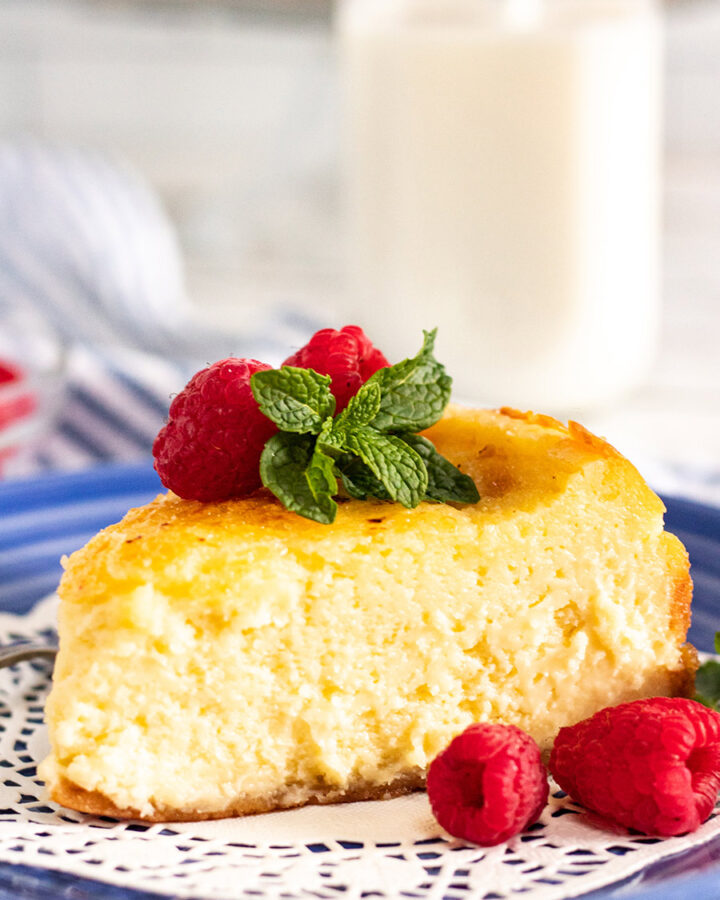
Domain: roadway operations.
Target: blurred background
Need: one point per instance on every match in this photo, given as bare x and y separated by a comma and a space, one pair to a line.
222, 126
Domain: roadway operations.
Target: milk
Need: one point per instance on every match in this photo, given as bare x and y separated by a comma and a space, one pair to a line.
502, 180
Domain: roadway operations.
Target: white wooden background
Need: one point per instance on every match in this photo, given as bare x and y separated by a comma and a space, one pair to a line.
235, 121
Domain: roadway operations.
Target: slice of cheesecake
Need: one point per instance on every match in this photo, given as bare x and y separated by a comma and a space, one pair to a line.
228, 658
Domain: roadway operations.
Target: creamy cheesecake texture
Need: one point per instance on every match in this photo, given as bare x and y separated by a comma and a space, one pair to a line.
224, 658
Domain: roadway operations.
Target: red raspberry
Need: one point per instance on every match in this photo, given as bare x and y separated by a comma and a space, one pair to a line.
488, 784
210, 448
346, 355
8, 372
13, 405
652, 765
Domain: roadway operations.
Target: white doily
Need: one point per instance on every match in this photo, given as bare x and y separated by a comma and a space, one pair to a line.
382, 849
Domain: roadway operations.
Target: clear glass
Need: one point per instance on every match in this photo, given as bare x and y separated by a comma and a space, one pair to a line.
502, 175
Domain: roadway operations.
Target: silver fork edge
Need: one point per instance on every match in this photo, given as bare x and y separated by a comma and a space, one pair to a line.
20, 652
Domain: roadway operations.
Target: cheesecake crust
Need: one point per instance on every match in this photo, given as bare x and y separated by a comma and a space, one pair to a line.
66, 793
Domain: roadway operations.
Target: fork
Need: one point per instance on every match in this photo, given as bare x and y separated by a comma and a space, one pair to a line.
16, 653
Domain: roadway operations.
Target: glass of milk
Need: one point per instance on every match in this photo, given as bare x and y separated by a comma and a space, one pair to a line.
503, 184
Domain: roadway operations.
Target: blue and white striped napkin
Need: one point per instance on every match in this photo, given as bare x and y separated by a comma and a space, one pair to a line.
85, 243
86, 248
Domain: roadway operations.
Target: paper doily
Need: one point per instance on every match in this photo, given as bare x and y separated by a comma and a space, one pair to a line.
380, 849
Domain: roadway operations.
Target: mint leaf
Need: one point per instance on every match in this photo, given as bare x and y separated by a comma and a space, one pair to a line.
395, 465
297, 400
362, 408
300, 476
372, 444
359, 481
321, 476
330, 439
707, 684
414, 392
446, 483
707, 680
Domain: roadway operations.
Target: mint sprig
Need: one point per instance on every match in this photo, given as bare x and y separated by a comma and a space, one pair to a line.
358, 480
300, 476
707, 680
392, 462
371, 446
297, 400
414, 392
446, 483
361, 409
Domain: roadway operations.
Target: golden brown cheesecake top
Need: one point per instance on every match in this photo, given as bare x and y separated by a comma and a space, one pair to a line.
518, 461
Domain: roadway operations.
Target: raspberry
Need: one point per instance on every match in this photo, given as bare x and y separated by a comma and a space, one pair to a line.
8, 372
210, 448
346, 355
14, 405
652, 765
17, 403
488, 784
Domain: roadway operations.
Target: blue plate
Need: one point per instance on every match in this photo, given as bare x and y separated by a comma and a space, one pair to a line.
42, 519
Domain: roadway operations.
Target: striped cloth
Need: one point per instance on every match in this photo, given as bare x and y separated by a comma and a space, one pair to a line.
86, 246
115, 403
87, 250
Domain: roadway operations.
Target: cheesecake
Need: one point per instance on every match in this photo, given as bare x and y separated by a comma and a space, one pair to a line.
225, 658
